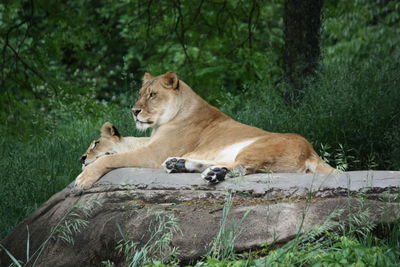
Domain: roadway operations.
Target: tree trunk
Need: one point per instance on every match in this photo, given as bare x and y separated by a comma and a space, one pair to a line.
302, 20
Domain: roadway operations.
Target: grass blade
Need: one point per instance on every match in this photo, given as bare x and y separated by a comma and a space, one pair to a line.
27, 245
11, 256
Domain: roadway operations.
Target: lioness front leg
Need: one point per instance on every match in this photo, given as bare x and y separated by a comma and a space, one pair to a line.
143, 157
87, 177
176, 165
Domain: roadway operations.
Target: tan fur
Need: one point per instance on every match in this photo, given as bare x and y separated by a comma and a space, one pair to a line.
110, 142
185, 126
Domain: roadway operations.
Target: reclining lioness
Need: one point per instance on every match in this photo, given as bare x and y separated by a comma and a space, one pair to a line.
110, 142
189, 135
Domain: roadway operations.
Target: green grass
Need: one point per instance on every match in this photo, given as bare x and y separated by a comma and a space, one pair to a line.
223, 247
161, 230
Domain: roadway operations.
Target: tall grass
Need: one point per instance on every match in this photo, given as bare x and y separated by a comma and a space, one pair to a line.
223, 246
158, 246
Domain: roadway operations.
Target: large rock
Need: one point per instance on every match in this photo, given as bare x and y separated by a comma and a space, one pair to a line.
132, 202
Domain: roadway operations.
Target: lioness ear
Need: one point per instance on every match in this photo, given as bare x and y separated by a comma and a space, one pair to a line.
108, 130
146, 77
170, 80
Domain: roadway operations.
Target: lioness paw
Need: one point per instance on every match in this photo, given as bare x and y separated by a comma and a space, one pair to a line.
76, 190
214, 174
81, 184
83, 181
172, 165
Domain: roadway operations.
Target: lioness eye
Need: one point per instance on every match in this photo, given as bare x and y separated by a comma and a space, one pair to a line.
152, 94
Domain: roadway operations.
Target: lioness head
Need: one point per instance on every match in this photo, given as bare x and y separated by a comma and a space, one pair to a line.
158, 102
105, 145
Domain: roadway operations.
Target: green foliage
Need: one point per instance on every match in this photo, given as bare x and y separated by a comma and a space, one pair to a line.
353, 30
107, 263
343, 252
74, 222
105, 46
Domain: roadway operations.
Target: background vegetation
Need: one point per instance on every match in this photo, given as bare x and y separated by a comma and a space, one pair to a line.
69, 66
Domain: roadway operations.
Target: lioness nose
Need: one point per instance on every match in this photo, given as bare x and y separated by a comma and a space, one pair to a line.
82, 159
136, 111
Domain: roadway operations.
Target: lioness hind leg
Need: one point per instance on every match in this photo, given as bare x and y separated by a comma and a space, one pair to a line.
175, 165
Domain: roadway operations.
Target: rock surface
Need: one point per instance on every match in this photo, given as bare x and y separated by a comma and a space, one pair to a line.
127, 201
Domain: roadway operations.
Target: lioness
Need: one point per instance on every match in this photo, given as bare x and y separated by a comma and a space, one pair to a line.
110, 142
189, 135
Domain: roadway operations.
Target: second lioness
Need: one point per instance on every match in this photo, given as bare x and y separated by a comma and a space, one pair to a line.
191, 135
110, 142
